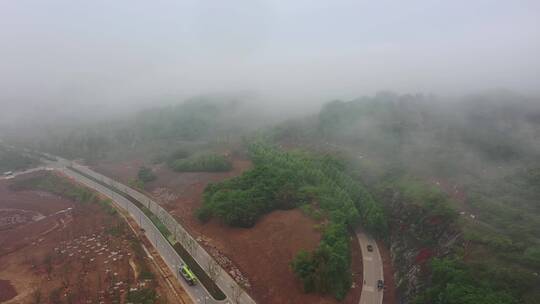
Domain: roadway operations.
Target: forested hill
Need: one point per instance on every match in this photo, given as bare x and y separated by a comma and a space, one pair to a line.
479, 156
198, 119
498, 128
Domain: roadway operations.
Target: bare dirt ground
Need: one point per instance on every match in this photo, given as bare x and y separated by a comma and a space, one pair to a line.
7, 291
69, 252
259, 256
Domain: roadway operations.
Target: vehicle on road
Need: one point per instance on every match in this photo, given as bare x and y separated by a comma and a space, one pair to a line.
369, 248
380, 284
187, 274
8, 173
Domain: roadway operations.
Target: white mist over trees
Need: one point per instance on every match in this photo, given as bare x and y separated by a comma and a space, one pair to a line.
104, 56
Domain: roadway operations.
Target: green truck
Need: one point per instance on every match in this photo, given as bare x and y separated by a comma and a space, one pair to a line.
187, 274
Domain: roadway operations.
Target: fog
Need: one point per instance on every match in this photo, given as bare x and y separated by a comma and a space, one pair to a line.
417, 122
120, 55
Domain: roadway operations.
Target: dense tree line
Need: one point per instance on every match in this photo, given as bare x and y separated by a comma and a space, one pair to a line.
484, 146
327, 268
454, 283
196, 120
284, 180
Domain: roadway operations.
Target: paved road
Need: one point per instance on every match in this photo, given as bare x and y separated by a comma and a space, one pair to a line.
373, 270
372, 262
198, 293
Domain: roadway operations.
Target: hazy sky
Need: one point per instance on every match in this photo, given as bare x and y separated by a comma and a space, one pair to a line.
74, 51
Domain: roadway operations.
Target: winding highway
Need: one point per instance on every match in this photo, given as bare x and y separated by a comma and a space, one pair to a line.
198, 293
372, 261
373, 270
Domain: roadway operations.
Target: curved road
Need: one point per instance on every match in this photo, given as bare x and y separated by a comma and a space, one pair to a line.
372, 261
373, 270
197, 293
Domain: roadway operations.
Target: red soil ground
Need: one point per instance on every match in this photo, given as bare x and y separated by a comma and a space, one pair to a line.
72, 253
261, 253
7, 291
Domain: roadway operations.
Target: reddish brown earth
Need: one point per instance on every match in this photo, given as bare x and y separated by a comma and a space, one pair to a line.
262, 253
82, 254
388, 273
7, 291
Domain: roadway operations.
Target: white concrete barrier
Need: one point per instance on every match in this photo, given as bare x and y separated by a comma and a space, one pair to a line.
223, 280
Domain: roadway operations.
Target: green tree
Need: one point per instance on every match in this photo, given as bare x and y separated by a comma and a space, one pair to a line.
146, 175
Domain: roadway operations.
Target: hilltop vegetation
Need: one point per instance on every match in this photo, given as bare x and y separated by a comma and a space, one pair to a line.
11, 159
427, 161
284, 180
151, 131
452, 186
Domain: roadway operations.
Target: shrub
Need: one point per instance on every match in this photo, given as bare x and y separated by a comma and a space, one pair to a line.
146, 175
179, 154
205, 163
327, 268
143, 296
532, 256
203, 214
452, 282
176, 155
136, 183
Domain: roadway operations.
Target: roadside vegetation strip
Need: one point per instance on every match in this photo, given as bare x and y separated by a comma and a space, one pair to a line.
202, 276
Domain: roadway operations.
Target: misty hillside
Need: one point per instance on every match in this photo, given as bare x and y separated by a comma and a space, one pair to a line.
451, 186
270, 152
478, 156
